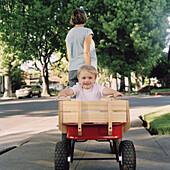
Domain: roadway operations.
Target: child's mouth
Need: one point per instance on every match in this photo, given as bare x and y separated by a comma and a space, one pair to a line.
86, 84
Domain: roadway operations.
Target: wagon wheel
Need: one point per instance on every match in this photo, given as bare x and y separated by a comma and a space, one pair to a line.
127, 156
114, 145
64, 138
61, 156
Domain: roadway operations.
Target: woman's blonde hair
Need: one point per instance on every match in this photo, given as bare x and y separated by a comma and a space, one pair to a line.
78, 17
88, 68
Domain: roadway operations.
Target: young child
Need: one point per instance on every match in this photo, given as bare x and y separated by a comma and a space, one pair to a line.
86, 89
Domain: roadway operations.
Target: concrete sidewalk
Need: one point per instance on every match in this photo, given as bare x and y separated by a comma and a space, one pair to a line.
152, 152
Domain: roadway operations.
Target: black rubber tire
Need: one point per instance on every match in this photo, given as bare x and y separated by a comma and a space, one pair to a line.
30, 95
61, 156
127, 152
39, 94
115, 143
64, 137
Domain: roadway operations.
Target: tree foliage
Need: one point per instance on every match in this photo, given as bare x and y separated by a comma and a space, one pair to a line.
60, 70
133, 32
46, 25
129, 35
33, 30
161, 69
12, 38
16, 79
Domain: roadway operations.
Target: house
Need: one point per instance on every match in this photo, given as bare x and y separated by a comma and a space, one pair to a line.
54, 83
30, 79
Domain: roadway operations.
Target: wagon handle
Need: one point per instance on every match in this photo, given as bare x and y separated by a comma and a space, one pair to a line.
79, 119
109, 118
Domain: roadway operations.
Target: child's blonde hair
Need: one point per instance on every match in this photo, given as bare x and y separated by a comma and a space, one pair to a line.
88, 68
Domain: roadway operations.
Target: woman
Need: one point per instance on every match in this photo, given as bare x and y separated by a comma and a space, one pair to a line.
80, 45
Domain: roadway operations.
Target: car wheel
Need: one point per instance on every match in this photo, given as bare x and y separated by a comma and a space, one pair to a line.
30, 95
39, 94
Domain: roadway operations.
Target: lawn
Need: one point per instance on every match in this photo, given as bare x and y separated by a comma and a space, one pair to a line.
160, 90
157, 120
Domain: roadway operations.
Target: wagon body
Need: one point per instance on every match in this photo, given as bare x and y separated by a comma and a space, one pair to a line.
73, 115
104, 120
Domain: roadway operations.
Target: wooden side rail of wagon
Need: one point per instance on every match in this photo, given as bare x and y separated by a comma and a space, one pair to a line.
104, 111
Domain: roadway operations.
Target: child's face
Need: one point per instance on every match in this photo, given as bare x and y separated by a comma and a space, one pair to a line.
86, 79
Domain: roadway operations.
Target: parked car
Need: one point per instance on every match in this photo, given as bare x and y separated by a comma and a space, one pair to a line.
28, 91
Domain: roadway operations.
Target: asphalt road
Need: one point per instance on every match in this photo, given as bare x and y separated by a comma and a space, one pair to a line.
20, 112
22, 118
14, 113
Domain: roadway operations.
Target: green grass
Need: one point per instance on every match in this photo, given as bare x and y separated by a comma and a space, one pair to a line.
161, 125
160, 90
158, 120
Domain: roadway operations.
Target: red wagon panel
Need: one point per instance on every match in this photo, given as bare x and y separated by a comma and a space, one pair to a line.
93, 131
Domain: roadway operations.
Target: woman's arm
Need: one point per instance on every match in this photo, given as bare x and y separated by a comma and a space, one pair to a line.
87, 56
108, 91
68, 52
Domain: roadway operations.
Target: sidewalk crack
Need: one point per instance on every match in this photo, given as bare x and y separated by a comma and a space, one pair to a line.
161, 148
5, 150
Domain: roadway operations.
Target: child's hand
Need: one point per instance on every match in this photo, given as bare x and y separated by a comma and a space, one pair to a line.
65, 93
118, 94
60, 95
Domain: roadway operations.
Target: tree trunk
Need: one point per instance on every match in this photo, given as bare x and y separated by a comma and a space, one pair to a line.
130, 83
116, 81
44, 73
8, 91
122, 84
45, 91
137, 82
143, 80
168, 77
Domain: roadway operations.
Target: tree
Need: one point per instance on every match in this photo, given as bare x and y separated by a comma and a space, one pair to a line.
168, 77
160, 71
60, 70
16, 79
132, 33
129, 35
33, 30
9, 63
46, 31
12, 40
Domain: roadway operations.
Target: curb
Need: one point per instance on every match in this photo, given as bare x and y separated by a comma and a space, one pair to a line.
161, 93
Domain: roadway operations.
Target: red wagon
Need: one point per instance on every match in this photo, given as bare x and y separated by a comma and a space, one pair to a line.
104, 120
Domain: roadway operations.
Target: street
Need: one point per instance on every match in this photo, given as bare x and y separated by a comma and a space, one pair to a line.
22, 112
32, 123
24, 117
